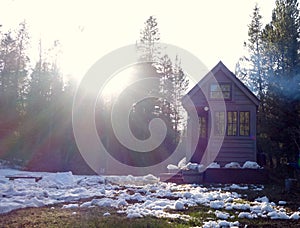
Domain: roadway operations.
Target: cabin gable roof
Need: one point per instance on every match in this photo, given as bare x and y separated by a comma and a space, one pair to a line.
221, 67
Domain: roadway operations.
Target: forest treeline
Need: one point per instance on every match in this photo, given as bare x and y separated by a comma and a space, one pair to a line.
272, 71
35, 106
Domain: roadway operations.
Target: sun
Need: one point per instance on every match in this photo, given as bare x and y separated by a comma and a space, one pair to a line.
118, 82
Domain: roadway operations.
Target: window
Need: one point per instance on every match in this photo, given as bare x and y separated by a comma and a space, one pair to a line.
202, 123
219, 123
220, 91
244, 123
231, 123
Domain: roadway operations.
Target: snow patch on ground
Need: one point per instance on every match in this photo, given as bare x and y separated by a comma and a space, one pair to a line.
233, 165
251, 165
222, 215
135, 197
263, 199
235, 186
213, 165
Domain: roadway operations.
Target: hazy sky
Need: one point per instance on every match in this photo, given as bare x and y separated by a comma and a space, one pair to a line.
212, 30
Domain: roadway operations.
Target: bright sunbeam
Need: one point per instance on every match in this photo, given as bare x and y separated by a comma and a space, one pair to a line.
119, 82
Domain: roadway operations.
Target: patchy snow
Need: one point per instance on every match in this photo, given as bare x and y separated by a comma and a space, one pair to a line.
258, 188
222, 215
233, 165
213, 165
192, 166
220, 223
235, 186
247, 215
58, 180
134, 215
217, 204
278, 215
106, 214
266, 207
135, 197
127, 180
251, 165
281, 202
70, 206
179, 205
182, 163
172, 168
295, 216
263, 199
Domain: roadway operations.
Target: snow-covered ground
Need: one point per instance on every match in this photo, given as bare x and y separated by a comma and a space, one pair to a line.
133, 196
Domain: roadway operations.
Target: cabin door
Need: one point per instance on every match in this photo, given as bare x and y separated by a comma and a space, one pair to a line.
203, 137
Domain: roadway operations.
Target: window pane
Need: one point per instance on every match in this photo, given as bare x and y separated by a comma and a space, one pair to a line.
235, 117
202, 122
231, 123
219, 123
226, 95
244, 123
242, 117
220, 91
247, 114
214, 87
229, 117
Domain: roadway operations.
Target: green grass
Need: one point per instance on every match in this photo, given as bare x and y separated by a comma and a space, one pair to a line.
93, 217
84, 217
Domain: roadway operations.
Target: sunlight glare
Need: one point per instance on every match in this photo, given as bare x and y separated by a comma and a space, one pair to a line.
118, 82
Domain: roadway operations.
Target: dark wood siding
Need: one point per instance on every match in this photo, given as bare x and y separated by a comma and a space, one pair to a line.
237, 150
240, 98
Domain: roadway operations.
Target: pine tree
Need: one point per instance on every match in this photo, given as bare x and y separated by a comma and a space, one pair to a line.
14, 62
13, 74
148, 48
173, 82
181, 84
282, 38
274, 63
173, 85
148, 45
250, 68
44, 111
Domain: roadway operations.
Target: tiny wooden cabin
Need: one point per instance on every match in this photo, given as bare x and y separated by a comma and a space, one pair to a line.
226, 111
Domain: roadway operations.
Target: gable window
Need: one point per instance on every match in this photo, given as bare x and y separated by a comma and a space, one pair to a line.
220, 91
202, 123
219, 123
244, 123
231, 123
